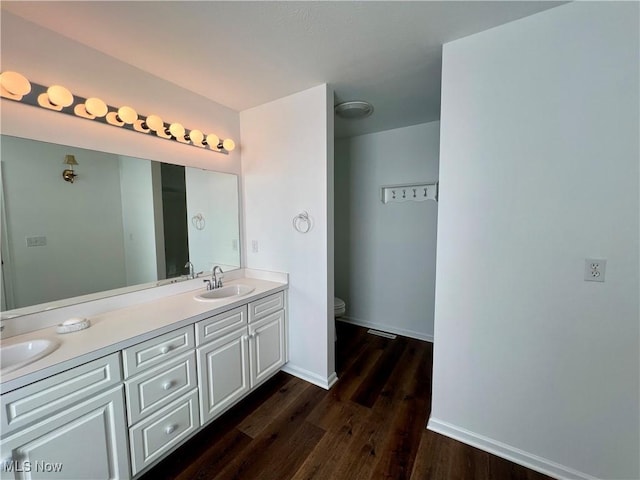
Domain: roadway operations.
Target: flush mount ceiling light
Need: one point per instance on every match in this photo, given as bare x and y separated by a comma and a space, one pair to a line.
354, 109
15, 86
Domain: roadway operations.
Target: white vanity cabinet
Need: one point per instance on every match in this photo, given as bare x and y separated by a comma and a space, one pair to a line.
162, 395
115, 417
237, 350
68, 426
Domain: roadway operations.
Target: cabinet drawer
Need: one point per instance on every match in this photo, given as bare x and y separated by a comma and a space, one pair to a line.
157, 350
265, 306
46, 397
154, 388
219, 325
162, 431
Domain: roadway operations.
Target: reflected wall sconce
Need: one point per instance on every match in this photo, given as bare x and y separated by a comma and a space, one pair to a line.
15, 86
68, 174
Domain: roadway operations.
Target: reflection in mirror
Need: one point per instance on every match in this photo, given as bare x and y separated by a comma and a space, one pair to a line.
123, 222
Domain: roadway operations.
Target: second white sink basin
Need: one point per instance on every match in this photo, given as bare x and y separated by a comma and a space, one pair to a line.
224, 292
18, 355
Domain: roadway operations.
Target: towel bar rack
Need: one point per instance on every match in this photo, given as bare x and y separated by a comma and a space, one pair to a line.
410, 192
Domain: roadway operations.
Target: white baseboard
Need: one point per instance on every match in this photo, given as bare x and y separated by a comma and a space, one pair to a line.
508, 452
311, 377
331, 381
387, 328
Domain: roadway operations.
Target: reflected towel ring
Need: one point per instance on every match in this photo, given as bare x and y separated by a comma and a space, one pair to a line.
198, 221
302, 222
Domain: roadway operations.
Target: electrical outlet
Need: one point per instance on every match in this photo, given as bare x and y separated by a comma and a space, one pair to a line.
594, 269
234, 244
254, 246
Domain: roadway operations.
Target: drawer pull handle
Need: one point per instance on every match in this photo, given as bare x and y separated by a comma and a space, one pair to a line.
167, 385
166, 349
170, 429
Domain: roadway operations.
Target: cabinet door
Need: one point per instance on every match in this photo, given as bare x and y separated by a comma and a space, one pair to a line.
87, 440
222, 373
267, 341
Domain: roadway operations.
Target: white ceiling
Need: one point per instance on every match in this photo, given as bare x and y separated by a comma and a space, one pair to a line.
243, 54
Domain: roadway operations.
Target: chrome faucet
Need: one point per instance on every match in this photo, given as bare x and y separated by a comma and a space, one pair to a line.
216, 282
191, 271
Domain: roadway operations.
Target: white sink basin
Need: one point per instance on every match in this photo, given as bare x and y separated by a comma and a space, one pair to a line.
16, 356
224, 292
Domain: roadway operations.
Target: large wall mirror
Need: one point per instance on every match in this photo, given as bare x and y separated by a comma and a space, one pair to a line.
123, 224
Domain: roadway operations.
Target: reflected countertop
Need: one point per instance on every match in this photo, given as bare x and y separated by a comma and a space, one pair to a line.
118, 329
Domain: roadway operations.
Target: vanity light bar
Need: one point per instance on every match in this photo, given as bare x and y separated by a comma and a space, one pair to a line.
15, 86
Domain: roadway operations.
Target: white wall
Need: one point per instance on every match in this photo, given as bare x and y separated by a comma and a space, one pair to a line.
47, 58
82, 222
539, 170
136, 189
286, 166
385, 257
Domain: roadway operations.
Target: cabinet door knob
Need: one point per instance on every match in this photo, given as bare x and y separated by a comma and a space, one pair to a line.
167, 385
166, 349
170, 429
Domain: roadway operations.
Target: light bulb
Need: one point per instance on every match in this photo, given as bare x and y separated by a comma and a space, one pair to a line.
176, 130
14, 85
228, 144
59, 96
96, 107
212, 140
127, 114
196, 137
155, 123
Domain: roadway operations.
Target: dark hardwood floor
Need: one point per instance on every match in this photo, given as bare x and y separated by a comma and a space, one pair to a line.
370, 425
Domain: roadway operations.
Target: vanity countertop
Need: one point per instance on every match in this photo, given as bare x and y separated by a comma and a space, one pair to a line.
118, 329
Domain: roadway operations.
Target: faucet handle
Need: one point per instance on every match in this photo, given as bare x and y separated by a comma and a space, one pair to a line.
208, 282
